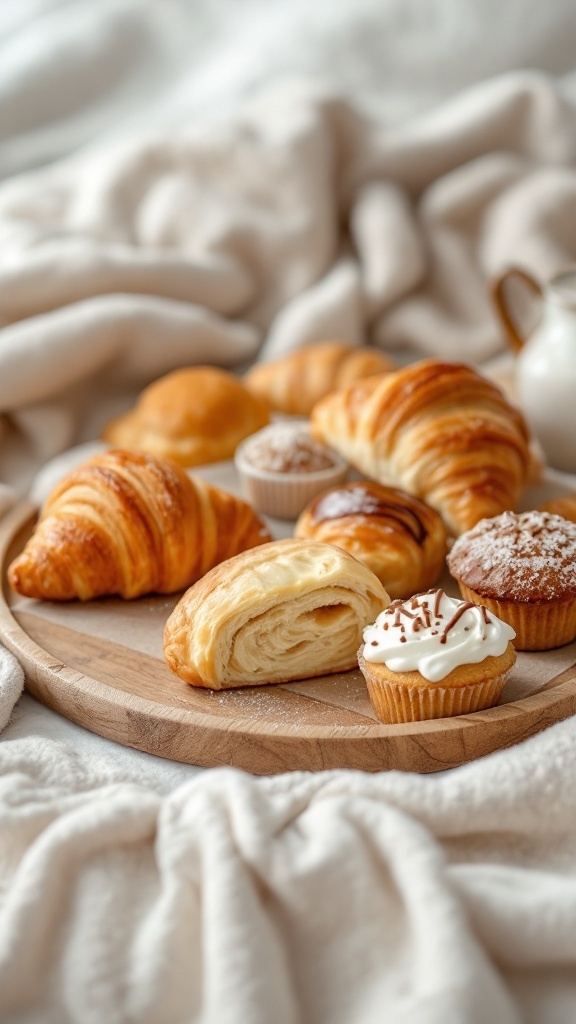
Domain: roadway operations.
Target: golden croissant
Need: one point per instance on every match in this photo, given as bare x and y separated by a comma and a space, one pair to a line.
284, 611
129, 523
565, 507
438, 430
295, 383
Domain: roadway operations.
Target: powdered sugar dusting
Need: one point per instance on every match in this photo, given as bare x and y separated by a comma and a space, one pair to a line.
529, 556
287, 448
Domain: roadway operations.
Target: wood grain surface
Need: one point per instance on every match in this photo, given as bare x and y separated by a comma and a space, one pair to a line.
132, 697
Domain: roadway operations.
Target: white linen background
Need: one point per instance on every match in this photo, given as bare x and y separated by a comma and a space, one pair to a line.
124, 895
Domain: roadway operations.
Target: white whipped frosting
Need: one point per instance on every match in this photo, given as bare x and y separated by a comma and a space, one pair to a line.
434, 634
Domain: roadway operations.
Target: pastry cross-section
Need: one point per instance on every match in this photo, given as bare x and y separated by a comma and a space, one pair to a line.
288, 610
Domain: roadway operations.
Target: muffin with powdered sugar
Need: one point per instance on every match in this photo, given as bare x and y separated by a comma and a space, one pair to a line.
522, 566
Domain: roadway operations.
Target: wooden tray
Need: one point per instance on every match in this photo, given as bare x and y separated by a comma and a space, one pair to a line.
130, 695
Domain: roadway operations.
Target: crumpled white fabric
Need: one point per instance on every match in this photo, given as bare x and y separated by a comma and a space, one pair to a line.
330, 897
11, 673
299, 217
11, 685
338, 897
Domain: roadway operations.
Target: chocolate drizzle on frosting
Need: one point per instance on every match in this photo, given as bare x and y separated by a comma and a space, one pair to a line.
457, 614
434, 633
371, 500
422, 616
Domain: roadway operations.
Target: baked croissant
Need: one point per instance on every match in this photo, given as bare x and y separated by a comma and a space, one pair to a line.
195, 416
128, 523
438, 430
565, 507
400, 538
295, 383
287, 610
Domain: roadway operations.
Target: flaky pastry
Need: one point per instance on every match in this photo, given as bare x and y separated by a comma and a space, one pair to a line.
129, 523
284, 611
195, 416
565, 507
296, 382
400, 538
438, 430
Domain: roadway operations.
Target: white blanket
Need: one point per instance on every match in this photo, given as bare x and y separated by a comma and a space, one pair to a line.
297, 219
360, 206
335, 898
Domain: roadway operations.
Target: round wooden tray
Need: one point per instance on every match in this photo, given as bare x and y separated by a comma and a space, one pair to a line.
128, 694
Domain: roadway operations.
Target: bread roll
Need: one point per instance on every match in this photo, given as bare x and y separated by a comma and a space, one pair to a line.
194, 416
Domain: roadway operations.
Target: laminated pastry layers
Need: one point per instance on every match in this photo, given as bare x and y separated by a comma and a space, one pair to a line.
128, 523
438, 430
294, 384
288, 610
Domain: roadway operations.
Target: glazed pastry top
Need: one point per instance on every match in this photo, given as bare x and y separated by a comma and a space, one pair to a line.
398, 536
434, 634
367, 499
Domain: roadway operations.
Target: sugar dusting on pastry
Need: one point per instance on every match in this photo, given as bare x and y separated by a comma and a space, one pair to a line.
433, 634
526, 556
287, 448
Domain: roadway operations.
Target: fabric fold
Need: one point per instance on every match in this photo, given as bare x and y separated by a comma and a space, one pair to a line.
298, 217
323, 897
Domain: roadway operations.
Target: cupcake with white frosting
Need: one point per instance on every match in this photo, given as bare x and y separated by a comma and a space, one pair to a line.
434, 656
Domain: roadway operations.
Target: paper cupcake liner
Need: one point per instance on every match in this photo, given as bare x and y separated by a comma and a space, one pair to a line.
285, 499
395, 702
285, 495
539, 625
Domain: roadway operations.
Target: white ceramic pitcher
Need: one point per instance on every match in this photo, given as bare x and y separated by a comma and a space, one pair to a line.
546, 366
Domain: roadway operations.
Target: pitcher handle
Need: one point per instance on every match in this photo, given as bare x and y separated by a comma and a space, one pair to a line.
498, 289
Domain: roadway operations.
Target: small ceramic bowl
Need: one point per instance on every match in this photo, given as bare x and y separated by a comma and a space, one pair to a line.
284, 492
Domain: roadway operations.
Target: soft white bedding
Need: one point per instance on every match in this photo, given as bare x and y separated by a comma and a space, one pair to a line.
367, 195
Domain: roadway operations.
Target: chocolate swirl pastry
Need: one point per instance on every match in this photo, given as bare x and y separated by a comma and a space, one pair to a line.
400, 538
